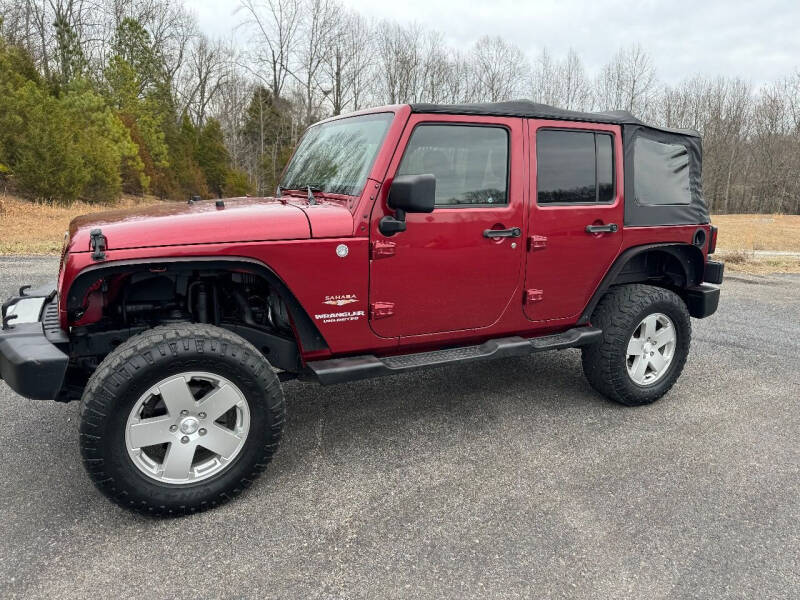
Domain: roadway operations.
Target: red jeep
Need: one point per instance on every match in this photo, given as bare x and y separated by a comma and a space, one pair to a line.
400, 238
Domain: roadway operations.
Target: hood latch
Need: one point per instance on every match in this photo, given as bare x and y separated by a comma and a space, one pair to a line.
98, 244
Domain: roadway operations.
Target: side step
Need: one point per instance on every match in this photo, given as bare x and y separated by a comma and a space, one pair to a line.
340, 370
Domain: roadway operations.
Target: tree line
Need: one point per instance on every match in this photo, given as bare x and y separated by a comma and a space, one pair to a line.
100, 97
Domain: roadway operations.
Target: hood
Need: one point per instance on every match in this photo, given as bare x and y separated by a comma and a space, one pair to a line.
177, 224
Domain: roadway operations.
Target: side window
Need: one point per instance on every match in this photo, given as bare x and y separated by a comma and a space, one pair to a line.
605, 167
660, 173
574, 167
470, 163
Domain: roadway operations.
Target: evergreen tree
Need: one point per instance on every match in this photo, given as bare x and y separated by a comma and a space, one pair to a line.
237, 183
69, 54
212, 156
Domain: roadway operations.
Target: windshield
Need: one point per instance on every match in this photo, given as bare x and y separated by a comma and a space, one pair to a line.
336, 157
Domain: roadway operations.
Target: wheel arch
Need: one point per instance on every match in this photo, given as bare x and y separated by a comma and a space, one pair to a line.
306, 332
674, 265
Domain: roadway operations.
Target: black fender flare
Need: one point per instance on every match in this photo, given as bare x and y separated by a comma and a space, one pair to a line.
309, 337
690, 258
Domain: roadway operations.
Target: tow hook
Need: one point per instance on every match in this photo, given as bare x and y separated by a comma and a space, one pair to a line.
7, 321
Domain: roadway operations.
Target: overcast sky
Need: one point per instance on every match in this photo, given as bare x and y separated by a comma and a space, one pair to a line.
756, 40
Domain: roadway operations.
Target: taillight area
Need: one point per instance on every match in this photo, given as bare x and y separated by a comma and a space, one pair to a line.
712, 240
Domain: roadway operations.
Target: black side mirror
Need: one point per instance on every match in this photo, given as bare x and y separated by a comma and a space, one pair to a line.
409, 193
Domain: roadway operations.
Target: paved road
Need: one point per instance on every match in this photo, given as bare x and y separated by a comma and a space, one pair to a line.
509, 479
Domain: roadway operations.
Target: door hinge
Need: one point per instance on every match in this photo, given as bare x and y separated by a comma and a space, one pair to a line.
381, 310
532, 296
98, 244
381, 249
537, 242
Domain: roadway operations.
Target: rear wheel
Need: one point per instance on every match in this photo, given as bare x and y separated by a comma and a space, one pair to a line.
180, 419
646, 337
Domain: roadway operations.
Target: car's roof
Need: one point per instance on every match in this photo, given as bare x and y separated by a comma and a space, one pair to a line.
535, 110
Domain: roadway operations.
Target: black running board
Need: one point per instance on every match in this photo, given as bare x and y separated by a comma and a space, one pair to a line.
340, 370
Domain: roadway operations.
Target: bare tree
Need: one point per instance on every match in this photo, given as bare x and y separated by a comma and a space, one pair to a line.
348, 62
543, 80
575, 89
435, 65
411, 63
776, 150
499, 68
456, 84
397, 61
53, 31
627, 82
561, 83
206, 71
229, 105
275, 23
318, 29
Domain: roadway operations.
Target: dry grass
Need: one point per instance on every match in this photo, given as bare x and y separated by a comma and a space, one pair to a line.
742, 261
743, 239
33, 228
765, 266
758, 232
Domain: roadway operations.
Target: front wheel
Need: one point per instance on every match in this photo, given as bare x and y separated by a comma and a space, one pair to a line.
646, 337
180, 419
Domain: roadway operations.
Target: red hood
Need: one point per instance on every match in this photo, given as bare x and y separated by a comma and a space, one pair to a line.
176, 224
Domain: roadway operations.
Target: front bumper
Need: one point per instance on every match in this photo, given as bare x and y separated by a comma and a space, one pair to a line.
31, 362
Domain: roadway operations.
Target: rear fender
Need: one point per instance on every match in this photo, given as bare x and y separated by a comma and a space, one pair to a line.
689, 258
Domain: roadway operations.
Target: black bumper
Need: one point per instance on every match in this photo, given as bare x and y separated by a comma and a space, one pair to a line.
702, 300
713, 272
31, 362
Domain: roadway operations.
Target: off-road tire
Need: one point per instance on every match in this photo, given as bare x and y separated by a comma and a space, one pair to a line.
135, 365
618, 314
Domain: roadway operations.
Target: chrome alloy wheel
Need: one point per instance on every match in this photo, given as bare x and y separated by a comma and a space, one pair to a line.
651, 349
187, 428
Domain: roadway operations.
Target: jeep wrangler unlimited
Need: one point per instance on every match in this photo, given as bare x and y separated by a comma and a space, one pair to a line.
400, 238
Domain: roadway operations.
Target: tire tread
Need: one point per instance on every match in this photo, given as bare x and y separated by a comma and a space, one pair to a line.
617, 313
135, 354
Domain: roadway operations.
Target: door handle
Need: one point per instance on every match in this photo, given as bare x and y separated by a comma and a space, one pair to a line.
502, 233
610, 228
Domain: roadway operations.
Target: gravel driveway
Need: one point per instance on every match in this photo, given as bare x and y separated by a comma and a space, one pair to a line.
502, 479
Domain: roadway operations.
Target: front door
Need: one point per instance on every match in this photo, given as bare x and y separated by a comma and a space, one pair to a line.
576, 214
458, 267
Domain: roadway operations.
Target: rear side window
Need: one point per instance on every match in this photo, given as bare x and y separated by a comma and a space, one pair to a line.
470, 163
574, 167
660, 173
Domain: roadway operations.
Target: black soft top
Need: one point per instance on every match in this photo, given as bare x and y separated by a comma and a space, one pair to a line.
663, 166
534, 110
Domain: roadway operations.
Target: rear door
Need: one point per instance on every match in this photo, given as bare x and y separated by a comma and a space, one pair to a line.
576, 215
458, 267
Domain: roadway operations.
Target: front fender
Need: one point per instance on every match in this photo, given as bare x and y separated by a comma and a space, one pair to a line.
78, 288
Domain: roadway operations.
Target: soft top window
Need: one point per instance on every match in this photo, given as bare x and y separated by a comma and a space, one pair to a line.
661, 173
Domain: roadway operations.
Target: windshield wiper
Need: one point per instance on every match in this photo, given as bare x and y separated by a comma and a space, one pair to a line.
309, 189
